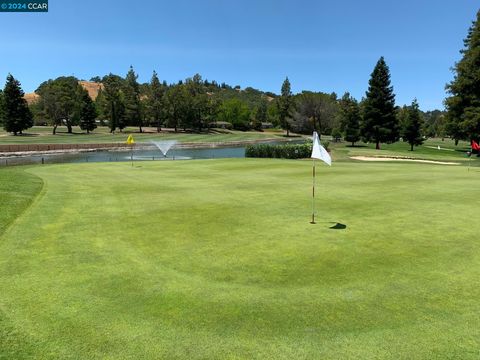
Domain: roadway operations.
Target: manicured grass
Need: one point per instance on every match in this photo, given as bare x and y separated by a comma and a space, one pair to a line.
216, 259
429, 150
17, 191
342, 151
42, 135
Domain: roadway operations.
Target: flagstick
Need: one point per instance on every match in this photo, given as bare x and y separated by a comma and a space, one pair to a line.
131, 154
313, 194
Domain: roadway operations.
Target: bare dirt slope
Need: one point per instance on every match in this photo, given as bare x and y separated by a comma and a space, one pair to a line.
92, 87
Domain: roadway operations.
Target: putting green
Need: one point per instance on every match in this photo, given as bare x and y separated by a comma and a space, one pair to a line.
216, 259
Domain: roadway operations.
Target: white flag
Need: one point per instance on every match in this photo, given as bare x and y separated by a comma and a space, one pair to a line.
319, 152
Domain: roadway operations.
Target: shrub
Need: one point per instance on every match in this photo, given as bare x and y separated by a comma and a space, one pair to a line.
288, 151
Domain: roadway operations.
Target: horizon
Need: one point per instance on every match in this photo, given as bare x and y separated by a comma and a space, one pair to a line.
322, 48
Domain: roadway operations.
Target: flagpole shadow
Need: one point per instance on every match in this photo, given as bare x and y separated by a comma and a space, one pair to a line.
338, 226
333, 225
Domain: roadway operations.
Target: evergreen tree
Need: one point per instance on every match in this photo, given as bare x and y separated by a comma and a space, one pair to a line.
412, 128
133, 108
402, 116
87, 112
16, 115
379, 120
463, 106
350, 118
177, 106
100, 106
285, 106
156, 101
198, 104
113, 105
2, 106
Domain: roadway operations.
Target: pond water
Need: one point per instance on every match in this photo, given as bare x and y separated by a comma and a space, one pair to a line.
145, 154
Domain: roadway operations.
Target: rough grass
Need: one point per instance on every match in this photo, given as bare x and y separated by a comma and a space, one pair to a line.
216, 259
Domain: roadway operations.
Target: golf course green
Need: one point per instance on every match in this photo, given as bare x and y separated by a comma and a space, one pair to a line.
216, 259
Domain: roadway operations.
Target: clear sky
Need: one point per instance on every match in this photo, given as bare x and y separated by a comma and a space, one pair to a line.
320, 45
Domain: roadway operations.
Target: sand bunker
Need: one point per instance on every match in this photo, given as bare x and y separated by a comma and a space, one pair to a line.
372, 158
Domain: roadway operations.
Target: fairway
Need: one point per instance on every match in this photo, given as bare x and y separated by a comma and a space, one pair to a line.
216, 259
43, 135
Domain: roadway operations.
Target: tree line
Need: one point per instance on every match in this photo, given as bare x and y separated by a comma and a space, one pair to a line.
197, 104
191, 104
463, 104
374, 119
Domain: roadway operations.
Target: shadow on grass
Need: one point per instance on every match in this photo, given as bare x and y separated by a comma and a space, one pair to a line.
25, 135
338, 226
464, 151
335, 226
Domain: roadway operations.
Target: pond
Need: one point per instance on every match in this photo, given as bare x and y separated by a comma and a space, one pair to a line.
149, 153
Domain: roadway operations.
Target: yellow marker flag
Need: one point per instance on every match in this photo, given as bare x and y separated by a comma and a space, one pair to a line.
130, 140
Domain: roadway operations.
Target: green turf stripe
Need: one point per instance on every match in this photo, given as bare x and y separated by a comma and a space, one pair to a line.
18, 189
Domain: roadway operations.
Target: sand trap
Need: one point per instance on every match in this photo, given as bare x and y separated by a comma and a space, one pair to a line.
372, 158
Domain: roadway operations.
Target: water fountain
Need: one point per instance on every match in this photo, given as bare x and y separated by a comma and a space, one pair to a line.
164, 146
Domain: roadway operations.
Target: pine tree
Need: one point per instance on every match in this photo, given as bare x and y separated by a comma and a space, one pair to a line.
198, 103
133, 109
177, 106
113, 105
88, 112
402, 116
463, 106
350, 118
379, 120
412, 130
2, 106
156, 101
285, 106
15, 112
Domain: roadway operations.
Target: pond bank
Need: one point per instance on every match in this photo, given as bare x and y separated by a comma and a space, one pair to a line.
39, 149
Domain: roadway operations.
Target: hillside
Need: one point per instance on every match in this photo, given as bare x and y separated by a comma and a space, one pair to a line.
92, 88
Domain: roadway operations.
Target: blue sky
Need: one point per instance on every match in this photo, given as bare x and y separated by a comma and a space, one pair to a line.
320, 45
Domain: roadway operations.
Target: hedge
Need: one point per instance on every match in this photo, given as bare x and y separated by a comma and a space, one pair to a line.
288, 151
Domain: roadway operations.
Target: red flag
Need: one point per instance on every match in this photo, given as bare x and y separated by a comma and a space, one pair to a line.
475, 145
